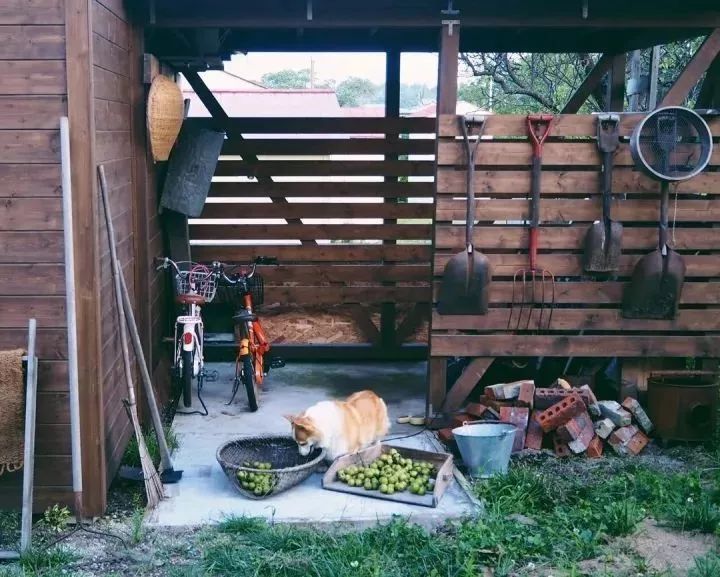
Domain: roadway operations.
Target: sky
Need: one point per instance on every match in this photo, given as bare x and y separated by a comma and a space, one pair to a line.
415, 68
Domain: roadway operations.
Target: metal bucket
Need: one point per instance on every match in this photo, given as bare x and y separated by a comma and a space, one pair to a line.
485, 447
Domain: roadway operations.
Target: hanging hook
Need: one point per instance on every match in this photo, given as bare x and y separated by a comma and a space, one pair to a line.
450, 12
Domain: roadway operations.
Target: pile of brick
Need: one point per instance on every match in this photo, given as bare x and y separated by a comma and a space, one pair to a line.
570, 421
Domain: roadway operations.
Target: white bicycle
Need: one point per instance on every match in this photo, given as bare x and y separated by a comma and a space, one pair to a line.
195, 285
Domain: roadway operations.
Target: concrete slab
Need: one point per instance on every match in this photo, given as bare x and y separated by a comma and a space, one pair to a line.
205, 496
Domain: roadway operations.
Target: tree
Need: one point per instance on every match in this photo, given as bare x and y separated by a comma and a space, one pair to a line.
519, 83
355, 91
287, 79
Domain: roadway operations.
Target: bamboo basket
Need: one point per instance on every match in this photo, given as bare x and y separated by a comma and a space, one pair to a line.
165, 111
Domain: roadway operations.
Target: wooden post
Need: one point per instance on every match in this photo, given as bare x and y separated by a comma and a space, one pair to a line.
694, 70
588, 85
709, 96
80, 98
634, 86
449, 54
388, 310
654, 74
615, 101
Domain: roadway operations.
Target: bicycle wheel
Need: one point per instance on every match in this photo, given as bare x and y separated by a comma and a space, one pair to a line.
248, 379
187, 375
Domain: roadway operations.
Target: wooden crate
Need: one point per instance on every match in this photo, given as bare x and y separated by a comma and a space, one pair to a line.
443, 463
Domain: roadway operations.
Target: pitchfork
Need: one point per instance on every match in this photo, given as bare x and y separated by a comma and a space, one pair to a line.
538, 126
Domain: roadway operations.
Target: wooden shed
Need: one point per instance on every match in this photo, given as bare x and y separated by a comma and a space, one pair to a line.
92, 60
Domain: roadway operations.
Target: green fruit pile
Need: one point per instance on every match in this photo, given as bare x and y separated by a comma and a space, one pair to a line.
391, 473
260, 484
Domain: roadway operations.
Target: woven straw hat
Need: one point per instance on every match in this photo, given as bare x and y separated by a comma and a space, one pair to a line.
164, 116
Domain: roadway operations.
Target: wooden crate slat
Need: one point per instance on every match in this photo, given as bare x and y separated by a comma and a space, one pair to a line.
571, 183
499, 345
327, 146
563, 124
309, 231
519, 153
355, 253
598, 293
323, 125
496, 237
320, 168
321, 189
225, 210
584, 210
606, 320
322, 295
311, 274
505, 265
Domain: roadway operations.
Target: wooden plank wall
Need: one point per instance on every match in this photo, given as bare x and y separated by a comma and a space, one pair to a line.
321, 174
570, 201
32, 282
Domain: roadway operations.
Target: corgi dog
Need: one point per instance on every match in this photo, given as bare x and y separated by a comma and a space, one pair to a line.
341, 427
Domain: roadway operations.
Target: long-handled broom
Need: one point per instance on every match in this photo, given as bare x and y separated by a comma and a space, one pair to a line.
153, 486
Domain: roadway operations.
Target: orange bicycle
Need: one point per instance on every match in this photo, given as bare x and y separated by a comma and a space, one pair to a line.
253, 344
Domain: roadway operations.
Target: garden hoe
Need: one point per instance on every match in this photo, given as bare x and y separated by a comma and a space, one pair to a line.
603, 241
466, 278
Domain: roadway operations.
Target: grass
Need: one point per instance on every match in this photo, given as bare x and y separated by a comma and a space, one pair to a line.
131, 458
707, 566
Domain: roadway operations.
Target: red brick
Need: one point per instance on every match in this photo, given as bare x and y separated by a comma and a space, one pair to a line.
595, 448
445, 435
518, 416
497, 405
591, 401
492, 414
476, 409
504, 391
620, 439
550, 419
546, 398
581, 444
526, 397
534, 436
458, 419
574, 428
639, 413
637, 443
561, 447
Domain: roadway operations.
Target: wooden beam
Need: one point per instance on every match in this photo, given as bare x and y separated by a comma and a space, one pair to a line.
221, 117
466, 383
412, 321
694, 70
437, 384
362, 317
709, 96
584, 91
388, 310
615, 101
80, 97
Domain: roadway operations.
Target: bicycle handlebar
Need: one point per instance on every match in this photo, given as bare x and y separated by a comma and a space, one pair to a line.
219, 267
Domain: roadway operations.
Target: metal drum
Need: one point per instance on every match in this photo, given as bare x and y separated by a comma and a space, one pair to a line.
683, 405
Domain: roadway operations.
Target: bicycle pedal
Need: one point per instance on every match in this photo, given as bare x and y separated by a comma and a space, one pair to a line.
277, 363
211, 376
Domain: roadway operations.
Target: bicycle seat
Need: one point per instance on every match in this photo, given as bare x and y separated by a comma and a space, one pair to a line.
190, 299
244, 317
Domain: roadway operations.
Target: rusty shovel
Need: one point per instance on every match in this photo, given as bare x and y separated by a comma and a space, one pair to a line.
466, 279
603, 240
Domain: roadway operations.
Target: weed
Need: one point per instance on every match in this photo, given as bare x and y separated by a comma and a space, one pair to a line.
45, 562
695, 514
9, 527
56, 518
241, 525
137, 530
707, 566
131, 458
622, 517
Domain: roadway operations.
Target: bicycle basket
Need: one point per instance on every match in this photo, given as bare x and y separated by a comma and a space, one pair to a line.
199, 280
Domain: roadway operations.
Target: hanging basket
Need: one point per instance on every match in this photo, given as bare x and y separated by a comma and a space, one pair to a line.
165, 112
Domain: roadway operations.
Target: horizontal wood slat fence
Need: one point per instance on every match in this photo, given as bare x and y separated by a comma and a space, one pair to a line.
345, 204
586, 320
